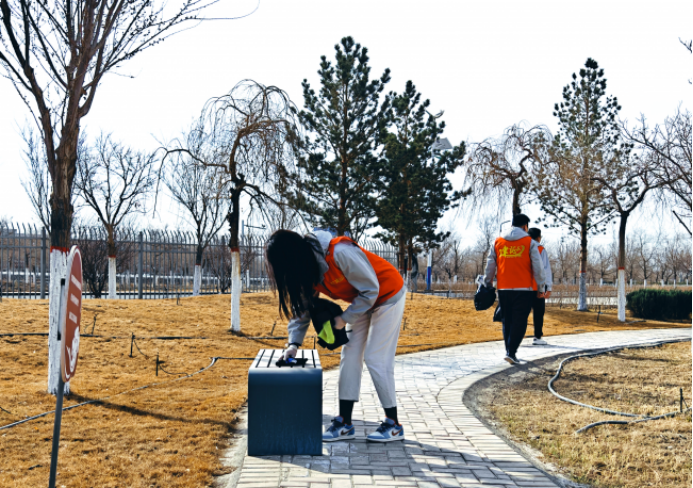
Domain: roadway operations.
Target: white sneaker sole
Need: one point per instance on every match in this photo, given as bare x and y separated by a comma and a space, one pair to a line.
511, 360
391, 439
340, 438
540, 343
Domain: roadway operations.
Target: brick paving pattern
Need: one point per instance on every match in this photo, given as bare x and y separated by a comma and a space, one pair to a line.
445, 446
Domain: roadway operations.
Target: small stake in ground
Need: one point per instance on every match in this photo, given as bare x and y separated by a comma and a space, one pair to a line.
68, 333
132, 342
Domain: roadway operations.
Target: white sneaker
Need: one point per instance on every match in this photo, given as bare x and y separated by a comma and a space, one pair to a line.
539, 342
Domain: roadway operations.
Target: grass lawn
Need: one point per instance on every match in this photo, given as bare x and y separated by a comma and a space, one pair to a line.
641, 381
170, 435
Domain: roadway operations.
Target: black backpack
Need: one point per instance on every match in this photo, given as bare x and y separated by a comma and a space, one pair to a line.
322, 314
484, 298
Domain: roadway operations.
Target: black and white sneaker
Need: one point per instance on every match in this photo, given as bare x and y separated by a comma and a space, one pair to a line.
511, 359
539, 342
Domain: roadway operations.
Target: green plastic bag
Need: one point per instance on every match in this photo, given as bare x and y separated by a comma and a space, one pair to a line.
326, 333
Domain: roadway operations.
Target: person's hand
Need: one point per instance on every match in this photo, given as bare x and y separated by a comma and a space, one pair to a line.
290, 352
547, 294
540, 295
339, 323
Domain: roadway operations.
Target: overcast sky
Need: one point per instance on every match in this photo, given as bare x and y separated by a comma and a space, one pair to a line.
488, 64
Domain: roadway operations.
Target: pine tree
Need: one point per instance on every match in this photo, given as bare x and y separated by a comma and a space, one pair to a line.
588, 144
415, 190
339, 168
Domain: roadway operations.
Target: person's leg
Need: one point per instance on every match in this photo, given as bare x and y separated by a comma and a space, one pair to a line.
539, 308
521, 305
350, 369
381, 348
504, 302
380, 359
346, 407
351, 363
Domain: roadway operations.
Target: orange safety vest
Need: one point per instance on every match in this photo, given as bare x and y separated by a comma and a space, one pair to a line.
335, 285
514, 266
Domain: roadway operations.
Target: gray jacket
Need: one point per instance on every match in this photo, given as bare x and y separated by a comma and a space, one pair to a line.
547, 269
515, 234
359, 273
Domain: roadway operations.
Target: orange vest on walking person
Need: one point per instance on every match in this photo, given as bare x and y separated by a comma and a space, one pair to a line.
514, 266
335, 284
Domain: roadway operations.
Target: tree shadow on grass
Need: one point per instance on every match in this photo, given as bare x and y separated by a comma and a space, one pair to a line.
148, 413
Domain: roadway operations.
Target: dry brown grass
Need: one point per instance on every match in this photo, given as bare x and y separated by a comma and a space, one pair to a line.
170, 434
644, 381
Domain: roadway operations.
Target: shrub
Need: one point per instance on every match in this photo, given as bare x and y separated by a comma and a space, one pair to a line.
659, 304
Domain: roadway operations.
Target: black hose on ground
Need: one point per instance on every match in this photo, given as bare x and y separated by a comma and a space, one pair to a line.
627, 422
606, 410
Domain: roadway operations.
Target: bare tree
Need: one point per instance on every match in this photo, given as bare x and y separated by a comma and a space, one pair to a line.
37, 186
250, 134
499, 168
282, 216
114, 181
56, 54
689, 47
200, 191
627, 185
670, 147
484, 242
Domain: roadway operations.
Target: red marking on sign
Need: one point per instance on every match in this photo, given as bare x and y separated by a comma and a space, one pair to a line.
61, 249
72, 313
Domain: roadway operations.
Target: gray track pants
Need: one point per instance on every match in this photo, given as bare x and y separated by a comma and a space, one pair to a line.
373, 339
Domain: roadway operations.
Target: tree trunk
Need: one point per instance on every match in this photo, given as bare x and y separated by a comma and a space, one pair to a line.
582, 294
234, 219
622, 267
112, 293
400, 255
516, 201
197, 279
61, 223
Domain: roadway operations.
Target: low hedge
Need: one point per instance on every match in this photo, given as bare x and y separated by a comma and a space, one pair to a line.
657, 304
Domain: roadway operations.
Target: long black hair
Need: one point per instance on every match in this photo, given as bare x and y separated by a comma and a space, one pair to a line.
293, 271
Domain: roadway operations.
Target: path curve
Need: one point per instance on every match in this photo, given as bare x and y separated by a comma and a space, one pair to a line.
446, 445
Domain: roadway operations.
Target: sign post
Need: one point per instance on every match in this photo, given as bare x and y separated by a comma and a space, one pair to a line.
68, 335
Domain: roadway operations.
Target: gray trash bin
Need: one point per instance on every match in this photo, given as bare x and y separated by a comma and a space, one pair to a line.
285, 405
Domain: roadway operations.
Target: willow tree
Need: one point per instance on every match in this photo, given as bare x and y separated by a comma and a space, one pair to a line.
57, 53
588, 143
500, 169
250, 135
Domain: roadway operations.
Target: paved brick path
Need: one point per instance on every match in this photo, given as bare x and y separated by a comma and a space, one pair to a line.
445, 446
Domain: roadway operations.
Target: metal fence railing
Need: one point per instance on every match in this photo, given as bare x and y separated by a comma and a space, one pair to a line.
149, 263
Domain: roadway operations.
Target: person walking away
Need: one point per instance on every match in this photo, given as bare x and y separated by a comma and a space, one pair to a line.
516, 263
539, 304
300, 267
